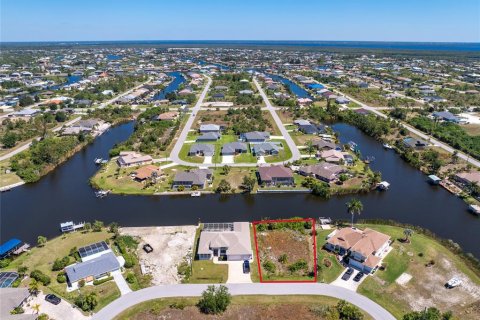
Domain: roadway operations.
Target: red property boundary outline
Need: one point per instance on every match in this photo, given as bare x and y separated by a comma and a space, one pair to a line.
312, 220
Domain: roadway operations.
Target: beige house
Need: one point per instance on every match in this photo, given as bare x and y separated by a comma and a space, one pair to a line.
364, 249
229, 241
131, 158
332, 156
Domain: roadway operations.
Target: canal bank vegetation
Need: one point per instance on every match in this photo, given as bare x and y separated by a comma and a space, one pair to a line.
112, 114
414, 274
252, 306
45, 155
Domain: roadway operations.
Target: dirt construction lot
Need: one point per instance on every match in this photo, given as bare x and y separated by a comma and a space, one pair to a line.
170, 246
285, 248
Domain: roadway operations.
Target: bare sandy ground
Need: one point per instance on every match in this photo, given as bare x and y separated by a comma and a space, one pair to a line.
170, 246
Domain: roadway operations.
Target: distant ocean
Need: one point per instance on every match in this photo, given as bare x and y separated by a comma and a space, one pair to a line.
418, 46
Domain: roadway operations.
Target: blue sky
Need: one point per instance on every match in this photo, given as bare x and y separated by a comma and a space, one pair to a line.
368, 20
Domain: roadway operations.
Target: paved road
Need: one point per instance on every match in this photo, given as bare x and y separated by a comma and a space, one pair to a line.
26, 146
419, 133
183, 135
108, 102
194, 290
291, 144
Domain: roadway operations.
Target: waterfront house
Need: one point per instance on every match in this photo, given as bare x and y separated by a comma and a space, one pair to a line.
167, 116
364, 249
322, 145
188, 179
332, 156
413, 143
275, 175
246, 92
227, 241
468, 178
11, 298
131, 158
266, 148
255, 136
147, 172
446, 116
324, 171
234, 148
209, 136
98, 261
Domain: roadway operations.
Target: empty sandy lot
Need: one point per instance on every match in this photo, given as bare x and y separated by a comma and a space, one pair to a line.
170, 246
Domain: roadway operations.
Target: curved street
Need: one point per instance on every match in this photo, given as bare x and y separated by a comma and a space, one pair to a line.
195, 290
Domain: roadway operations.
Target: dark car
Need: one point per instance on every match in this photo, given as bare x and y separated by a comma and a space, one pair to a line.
52, 299
358, 277
347, 274
147, 248
246, 266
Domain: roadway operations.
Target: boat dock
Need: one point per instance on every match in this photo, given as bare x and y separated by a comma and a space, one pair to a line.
69, 226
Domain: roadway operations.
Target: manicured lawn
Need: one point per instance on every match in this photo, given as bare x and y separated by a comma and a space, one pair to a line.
245, 158
283, 155
7, 179
205, 271
184, 154
326, 273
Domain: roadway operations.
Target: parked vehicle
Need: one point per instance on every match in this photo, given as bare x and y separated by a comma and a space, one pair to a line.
454, 282
246, 266
358, 277
147, 248
347, 274
52, 299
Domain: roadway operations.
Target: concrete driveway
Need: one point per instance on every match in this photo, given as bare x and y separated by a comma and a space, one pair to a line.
121, 283
235, 272
207, 160
261, 160
228, 159
63, 310
349, 284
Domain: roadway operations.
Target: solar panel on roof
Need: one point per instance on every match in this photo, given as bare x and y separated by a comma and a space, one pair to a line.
92, 249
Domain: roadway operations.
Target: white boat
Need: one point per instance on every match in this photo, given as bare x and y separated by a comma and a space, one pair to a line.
195, 194
98, 160
474, 209
387, 146
103, 161
454, 282
384, 185
102, 193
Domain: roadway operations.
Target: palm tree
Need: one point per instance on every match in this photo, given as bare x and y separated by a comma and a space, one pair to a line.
354, 206
33, 287
408, 233
310, 147
36, 308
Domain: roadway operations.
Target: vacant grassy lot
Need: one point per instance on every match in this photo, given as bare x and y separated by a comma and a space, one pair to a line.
285, 254
431, 265
329, 267
7, 179
42, 258
242, 307
472, 129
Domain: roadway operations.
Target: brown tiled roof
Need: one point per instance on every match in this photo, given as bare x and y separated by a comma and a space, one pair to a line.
370, 242
268, 173
146, 171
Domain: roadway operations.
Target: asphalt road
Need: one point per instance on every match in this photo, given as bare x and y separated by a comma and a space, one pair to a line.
194, 290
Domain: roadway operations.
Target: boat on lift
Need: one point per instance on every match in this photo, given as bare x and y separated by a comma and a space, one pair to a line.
102, 193
387, 146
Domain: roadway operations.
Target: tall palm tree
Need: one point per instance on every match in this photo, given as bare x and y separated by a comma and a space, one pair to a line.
354, 206
33, 287
36, 308
408, 233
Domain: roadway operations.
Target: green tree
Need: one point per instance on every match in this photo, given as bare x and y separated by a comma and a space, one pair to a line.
87, 226
25, 101
408, 233
97, 226
41, 240
33, 287
310, 147
113, 228
9, 140
248, 183
354, 206
215, 300
60, 116
226, 169
431, 313
348, 311
223, 186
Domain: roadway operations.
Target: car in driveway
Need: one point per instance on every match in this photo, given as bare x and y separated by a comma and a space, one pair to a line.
246, 266
52, 299
358, 277
347, 274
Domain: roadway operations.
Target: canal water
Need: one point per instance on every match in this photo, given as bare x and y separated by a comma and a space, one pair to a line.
64, 195
176, 82
295, 88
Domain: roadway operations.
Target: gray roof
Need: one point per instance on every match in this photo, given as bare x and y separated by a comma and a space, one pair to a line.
321, 144
209, 136
446, 115
105, 263
237, 241
323, 170
207, 149
232, 147
265, 148
10, 298
209, 127
194, 177
256, 135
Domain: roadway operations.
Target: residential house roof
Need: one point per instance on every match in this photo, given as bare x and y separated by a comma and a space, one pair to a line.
327, 171
233, 147
207, 149
237, 241
209, 136
274, 172
147, 172
196, 177
103, 264
256, 135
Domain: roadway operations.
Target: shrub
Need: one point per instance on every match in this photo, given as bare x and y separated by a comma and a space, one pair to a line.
269, 266
299, 265
86, 303
180, 188
261, 227
131, 278
5, 262
61, 278
81, 283
59, 264
214, 300
283, 259
98, 282
178, 305
348, 311
40, 277
129, 260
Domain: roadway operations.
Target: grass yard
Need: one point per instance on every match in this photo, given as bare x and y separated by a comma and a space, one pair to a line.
205, 271
245, 158
10, 178
472, 129
285, 254
426, 288
283, 155
184, 154
246, 307
234, 177
328, 271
